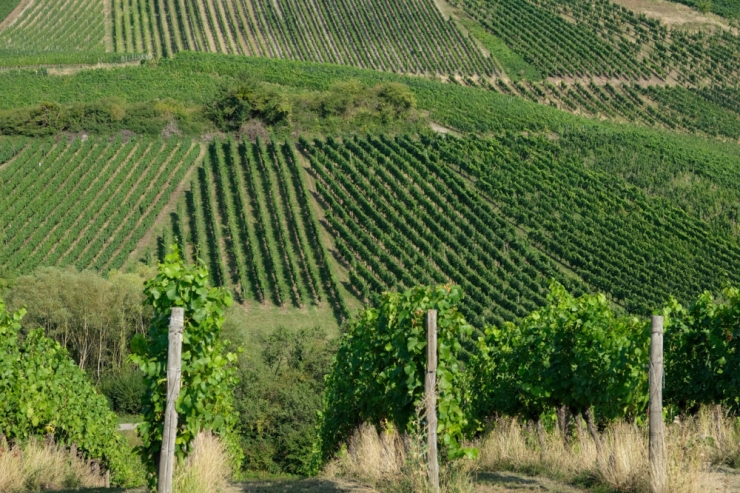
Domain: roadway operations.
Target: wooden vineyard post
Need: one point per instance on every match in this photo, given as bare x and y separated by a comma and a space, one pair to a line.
430, 389
174, 357
658, 478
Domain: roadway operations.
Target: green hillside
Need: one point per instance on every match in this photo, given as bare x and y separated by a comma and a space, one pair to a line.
280, 226
545, 174
592, 144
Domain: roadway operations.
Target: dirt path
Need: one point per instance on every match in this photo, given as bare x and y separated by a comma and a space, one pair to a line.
15, 14
311, 485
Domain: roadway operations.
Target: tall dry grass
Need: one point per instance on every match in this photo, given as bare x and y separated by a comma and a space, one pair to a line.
206, 470
692, 447
393, 463
34, 466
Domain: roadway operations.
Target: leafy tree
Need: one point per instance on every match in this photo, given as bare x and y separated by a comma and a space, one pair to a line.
250, 99
278, 397
205, 400
92, 316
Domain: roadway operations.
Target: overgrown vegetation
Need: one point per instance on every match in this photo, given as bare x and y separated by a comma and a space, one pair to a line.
281, 384
45, 393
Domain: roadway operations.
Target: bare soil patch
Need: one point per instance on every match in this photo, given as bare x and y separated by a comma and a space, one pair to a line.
675, 14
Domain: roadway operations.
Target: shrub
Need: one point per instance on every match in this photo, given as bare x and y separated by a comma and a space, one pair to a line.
43, 392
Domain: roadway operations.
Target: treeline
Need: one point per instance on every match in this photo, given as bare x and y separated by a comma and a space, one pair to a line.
344, 106
105, 116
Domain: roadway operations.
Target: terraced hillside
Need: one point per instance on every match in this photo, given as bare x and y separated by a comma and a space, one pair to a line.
408, 36
85, 204
500, 217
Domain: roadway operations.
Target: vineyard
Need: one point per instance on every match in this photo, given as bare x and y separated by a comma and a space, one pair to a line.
409, 36
247, 214
532, 215
51, 26
598, 38
86, 203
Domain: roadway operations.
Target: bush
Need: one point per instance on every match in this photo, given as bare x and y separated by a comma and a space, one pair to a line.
125, 390
250, 100
43, 392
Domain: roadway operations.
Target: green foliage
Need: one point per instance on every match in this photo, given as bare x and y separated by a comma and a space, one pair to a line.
701, 347
208, 377
43, 392
124, 389
574, 352
250, 100
278, 397
378, 372
92, 316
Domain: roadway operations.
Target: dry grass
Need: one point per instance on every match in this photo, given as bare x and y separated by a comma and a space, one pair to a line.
34, 466
394, 463
692, 447
206, 470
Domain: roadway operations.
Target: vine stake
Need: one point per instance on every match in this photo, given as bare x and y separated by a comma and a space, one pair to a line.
174, 356
430, 387
657, 444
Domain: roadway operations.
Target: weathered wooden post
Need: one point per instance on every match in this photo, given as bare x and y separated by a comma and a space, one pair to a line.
430, 389
174, 357
658, 479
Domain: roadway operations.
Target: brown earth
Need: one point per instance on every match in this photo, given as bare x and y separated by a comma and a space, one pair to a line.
15, 14
675, 14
